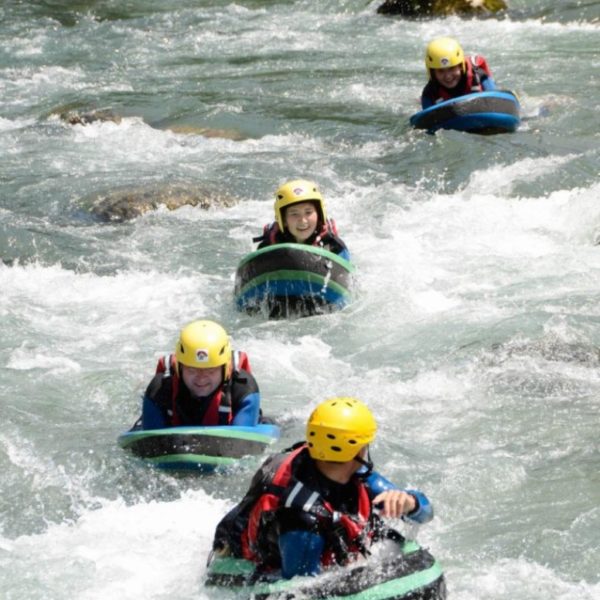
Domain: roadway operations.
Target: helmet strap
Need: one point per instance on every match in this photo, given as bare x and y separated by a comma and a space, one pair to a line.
368, 464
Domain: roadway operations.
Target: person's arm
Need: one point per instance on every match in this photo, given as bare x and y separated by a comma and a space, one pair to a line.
158, 390
426, 102
152, 416
300, 543
411, 505
485, 73
248, 411
423, 511
488, 84
345, 253
245, 399
334, 243
300, 553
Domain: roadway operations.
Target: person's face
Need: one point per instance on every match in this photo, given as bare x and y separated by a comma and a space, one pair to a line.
202, 382
301, 220
448, 77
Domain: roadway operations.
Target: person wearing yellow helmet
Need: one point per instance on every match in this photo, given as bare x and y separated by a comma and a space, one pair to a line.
451, 74
301, 218
313, 505
204, 382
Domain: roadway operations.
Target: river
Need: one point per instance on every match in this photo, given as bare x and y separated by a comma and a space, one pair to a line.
474, 334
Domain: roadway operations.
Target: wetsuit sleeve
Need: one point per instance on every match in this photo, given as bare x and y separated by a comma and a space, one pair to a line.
488, 84
248, 411
427, 98
300, 542
300, 553
153, 416
378, 483
345, 253
422, 514
335, 244
245, 400
426, 102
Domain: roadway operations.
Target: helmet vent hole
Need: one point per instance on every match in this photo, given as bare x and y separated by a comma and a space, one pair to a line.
336, 448
353, 442
331, 436
312, 434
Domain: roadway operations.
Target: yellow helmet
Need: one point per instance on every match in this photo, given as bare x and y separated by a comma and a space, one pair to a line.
204, 344
338, 428
297, 190
442, 53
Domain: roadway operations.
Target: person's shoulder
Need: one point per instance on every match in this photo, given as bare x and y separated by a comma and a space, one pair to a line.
157, 381
339, 248
334, 243
159, 388
243, 382
429, 95
271, 235
480, 62
429, 88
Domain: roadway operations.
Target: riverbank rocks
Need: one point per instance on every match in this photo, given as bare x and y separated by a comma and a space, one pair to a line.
128, 203
441, 8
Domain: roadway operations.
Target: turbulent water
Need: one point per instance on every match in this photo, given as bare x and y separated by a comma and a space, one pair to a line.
475, 329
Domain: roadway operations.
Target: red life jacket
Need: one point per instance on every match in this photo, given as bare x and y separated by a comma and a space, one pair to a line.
476, 67
219, 410
284, 490
271, 231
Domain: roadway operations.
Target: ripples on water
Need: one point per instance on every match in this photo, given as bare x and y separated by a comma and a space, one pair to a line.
474, 333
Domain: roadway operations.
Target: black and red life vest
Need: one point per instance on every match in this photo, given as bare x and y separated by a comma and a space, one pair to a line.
276, 486
219, 410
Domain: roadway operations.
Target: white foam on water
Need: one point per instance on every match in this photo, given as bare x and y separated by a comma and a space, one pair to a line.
510, 578
151, 549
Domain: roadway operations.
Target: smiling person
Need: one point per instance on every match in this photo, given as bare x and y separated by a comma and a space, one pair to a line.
204, 382
451, 74
300, 218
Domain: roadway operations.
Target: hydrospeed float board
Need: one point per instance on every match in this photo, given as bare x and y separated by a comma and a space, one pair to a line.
287, 279
396, 570
481, 112
203, 448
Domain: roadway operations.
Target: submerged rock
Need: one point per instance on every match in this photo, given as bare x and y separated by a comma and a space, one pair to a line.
128, 203
227, 134
74, 114
551, 349
440, 8
74, 117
